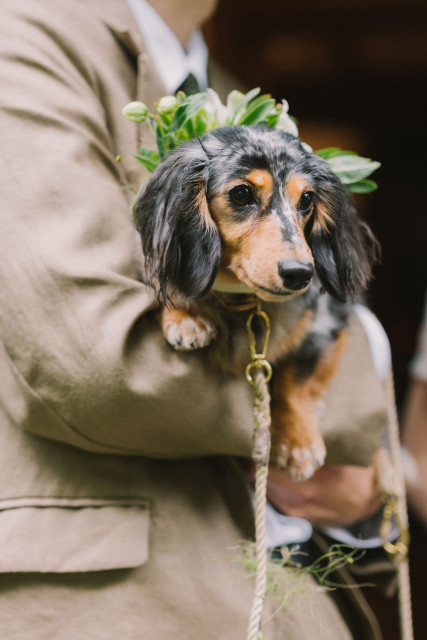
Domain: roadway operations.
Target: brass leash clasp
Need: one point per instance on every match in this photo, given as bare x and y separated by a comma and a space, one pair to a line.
258, 358
397, 550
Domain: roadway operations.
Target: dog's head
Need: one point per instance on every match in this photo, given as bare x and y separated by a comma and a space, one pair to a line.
250, 205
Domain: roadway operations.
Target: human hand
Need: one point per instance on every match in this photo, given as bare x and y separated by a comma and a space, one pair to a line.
336, 495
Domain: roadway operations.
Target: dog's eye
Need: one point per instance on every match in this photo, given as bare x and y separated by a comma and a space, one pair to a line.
305, 202
241, 195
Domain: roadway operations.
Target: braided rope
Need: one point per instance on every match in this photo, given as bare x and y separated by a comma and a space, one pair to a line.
391, 478
405, 610
260, 456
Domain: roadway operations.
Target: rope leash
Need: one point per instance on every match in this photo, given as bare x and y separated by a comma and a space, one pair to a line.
394, 499
258, 373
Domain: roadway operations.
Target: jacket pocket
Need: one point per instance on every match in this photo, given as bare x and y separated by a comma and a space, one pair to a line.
73, 535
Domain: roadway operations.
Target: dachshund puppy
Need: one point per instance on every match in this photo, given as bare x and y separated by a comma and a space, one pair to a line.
247, 212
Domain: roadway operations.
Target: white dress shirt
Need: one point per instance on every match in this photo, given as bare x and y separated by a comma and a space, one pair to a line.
172, 62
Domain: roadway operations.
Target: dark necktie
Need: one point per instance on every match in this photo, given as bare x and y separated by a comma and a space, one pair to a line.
189, 86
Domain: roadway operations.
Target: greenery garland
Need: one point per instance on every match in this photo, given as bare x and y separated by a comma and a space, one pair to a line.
181, 117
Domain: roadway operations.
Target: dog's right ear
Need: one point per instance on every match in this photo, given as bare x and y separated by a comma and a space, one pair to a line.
180, 241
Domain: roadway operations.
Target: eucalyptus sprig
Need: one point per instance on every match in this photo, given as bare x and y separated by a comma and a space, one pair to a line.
180, 118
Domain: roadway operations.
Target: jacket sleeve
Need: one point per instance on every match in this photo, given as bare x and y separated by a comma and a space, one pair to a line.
89, 365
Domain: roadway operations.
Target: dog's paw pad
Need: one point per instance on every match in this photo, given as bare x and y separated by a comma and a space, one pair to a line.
189, 334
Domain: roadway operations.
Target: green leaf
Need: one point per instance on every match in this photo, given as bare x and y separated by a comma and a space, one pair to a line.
257, 111
331, 152
351, 168
186, 111
149, 158
165, 119
363, 186
172, 142
272, 118
325, 153
253, 104
179, 117
189, 127
160, 143
200, 122
244, 101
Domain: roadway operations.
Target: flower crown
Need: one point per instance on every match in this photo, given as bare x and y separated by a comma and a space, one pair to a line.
181, 117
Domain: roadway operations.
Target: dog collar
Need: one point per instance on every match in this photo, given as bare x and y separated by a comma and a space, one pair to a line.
235, 301
234, 296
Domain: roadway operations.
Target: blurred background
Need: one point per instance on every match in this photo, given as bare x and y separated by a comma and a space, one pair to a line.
354, 74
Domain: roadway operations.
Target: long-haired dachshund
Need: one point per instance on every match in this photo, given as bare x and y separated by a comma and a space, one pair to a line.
245, 212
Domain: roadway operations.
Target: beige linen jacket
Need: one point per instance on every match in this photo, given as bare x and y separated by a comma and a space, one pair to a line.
121, 501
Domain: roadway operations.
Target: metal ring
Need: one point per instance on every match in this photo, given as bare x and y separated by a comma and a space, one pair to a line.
259, 364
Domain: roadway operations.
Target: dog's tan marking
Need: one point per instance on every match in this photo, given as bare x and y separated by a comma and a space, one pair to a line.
328, 365
232, 231
252, 249
263, 180
297, 442
202, 205
291, 340
300, 228
324, 217
266, 239
262, 252
295, 187
265, 248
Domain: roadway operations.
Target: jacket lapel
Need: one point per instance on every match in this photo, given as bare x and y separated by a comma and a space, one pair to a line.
149, 86
120, 21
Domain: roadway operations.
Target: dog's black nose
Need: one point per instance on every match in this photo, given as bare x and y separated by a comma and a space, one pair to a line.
295, 275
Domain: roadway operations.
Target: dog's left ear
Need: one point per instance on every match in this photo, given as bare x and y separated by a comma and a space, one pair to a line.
343, 246
180, 241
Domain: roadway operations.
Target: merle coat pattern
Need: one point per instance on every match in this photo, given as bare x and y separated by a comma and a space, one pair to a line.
245, 212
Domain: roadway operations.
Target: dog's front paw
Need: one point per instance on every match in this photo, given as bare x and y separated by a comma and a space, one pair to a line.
301, 462
185, 332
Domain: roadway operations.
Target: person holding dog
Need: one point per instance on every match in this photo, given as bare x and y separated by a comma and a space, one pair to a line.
123, 497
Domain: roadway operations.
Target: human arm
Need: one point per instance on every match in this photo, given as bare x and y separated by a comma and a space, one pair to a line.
414, 425
92, 367
414, 437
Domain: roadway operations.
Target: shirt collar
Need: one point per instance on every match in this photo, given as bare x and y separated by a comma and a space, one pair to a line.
172, 62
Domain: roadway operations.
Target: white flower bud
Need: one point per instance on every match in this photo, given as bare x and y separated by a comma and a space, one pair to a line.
135, 111
167, 105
